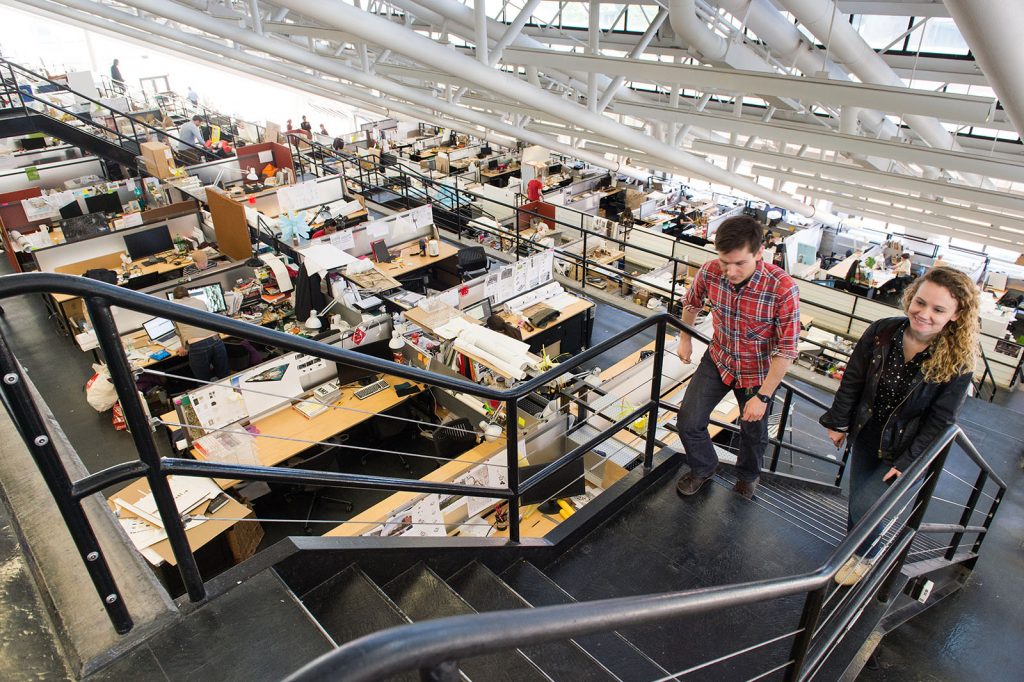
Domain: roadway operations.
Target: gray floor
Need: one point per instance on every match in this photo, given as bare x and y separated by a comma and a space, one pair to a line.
968, 637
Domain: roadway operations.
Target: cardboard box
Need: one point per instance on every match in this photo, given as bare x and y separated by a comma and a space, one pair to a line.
158, 159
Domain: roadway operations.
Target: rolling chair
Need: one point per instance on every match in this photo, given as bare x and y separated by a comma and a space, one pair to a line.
317, 494
472, 262
454, 438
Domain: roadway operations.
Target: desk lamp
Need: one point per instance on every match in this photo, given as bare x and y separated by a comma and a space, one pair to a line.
313, 321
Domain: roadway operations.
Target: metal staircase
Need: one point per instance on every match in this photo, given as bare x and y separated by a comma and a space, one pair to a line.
28, 105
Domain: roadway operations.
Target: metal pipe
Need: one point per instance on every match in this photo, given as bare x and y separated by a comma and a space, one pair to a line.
480, 26
428, 52
694, 32
645, 40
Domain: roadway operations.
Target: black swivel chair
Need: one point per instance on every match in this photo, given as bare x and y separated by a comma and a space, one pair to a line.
454, 438
472, 262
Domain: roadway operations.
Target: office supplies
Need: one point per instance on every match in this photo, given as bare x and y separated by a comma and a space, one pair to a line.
433, 249
372, 389
148, 242
543, 316
328, 393
405, 388
159, 329
160, 355
380, 251
310, 408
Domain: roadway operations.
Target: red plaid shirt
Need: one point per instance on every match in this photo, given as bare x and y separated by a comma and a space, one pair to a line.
752, 326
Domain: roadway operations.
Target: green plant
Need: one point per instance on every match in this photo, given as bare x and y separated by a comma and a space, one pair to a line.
870, 262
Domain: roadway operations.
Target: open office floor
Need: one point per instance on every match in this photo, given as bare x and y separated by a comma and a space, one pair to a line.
969, 637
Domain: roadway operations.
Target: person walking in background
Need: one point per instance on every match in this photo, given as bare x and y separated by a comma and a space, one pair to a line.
306, 125
323, 130
905, 382
205, 349
191, 133
116, 78
193, 96
755, 307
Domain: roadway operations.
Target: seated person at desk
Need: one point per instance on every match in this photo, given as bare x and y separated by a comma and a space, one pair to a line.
902, 270
204, 348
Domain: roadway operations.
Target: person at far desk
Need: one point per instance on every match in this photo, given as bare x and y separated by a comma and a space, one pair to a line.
204, 348
191, 133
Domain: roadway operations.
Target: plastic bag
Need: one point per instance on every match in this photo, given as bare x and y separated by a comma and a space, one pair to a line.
99, 390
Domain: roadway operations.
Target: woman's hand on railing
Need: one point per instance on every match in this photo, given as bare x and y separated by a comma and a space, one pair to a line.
837, 438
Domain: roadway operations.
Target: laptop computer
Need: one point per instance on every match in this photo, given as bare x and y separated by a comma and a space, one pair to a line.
159, 330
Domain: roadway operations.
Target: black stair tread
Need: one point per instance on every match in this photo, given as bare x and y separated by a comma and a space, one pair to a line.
613, 650
664, 543
350, 605
916, 568
485, 591
423, 595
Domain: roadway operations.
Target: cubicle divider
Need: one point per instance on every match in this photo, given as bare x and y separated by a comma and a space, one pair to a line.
50, 175
833, 310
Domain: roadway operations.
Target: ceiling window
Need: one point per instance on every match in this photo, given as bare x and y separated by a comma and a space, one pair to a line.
880, 31
940, 35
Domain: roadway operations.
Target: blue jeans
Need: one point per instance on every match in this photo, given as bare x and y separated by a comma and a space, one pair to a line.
866, 485
209, 351
705, 390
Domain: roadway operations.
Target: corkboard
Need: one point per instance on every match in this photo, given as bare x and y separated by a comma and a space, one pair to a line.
229, 225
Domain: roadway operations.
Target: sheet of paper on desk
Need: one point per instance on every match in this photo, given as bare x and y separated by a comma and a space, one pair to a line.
141, 533
378, 229
229, 447
453, 328
276, 265
217, 405
189, 492
342, 208
323, 257
343, 239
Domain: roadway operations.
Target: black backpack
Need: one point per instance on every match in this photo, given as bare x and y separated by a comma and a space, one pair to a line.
102, 274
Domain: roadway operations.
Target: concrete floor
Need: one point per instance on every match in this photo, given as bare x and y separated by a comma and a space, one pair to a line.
971, 632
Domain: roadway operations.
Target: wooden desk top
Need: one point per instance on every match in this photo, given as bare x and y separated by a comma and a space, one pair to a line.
373, 281
842, 268
580, 306
410, 260
488, 173
137, 268
197, 535
422, 318
287, 423
379, 513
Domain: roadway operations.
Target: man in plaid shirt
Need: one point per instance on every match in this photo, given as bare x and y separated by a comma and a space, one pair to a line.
755, 307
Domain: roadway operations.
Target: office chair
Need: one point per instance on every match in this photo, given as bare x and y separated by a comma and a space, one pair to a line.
317, 493
454, 438
415, 282
472, 262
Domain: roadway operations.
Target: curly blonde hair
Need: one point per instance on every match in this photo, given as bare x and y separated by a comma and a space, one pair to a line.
955, 350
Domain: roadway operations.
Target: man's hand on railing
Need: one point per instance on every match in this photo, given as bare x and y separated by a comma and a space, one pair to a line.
684, 349
837, 438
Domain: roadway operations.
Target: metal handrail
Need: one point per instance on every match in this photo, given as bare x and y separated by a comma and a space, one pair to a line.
12, 67
428, 645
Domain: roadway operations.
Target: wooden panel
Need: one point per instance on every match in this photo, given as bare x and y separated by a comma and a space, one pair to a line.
171, 211
229, 225
110, 261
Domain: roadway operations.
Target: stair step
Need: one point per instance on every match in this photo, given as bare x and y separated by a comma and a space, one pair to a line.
916, 568
350, 605
611, 649
423, 595
485, 591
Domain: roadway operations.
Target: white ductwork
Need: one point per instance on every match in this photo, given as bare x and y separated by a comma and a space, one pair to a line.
293, 53
992, 29
426, 51
682, 14
829, 25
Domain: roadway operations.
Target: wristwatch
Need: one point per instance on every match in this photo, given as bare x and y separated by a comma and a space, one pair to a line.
763, 398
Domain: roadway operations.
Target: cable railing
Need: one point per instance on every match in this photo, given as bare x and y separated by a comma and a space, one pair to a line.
828, 613
128, 142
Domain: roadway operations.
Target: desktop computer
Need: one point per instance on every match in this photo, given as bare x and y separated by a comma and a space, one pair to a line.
148, 242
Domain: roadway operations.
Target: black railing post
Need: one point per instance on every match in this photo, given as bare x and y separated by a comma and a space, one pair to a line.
512, 450
39, 443
583, 257
965, 517
986, 523
808, 624
138, 424
783, 419
672, 288
652, 416
924, 496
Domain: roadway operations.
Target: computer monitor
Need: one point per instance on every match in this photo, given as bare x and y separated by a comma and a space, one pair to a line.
158, 328
29, 143
492, 164
210, 294
148, 242
480, 311
104, 203
485, 151
566, 482
350, 374
554, 169
380, 251
83, 226
70, 210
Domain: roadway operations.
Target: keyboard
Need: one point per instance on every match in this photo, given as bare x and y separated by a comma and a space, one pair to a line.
371, 389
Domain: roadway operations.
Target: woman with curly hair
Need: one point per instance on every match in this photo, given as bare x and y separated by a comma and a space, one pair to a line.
905, 382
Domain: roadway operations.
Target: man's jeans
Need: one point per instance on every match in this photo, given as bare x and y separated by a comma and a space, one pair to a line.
209, 351
705, 390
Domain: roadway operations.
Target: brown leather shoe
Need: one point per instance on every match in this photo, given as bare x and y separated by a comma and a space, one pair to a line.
689, 484
745, 488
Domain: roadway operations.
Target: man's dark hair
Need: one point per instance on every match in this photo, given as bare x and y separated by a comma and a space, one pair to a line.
197, 119
180, 292
739, 232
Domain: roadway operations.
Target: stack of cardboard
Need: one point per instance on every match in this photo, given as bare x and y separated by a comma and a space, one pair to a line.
158, 159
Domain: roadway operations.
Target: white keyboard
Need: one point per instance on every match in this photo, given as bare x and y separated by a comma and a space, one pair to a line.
372, 389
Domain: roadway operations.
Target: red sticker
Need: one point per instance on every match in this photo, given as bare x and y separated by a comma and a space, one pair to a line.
463, 291
358, 335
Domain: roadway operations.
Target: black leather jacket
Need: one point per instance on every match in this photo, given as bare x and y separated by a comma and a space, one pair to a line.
926, 410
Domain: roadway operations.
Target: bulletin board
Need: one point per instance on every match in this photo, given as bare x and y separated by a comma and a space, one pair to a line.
229, 225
